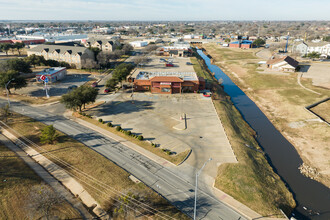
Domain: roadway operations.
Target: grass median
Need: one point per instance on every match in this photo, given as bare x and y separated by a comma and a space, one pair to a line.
16, 181
251, 181
114, 178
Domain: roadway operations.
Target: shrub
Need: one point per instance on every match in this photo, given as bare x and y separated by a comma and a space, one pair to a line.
109, 124
168, 152
118, 128
100, 120
103, 122
129, 133
140, 137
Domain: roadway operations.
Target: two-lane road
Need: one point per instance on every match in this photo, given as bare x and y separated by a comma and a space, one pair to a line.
173, 187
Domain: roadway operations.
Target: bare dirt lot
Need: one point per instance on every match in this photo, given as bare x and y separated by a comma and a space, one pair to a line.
281, 98
319, 73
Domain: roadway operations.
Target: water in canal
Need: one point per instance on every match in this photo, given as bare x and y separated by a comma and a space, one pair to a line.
312, 198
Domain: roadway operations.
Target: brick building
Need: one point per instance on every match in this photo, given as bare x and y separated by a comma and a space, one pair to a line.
168, 82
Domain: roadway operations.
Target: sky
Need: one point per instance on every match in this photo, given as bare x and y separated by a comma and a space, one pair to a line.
169, 10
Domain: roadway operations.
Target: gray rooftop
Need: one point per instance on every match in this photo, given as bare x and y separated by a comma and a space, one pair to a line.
186, 76
60, 49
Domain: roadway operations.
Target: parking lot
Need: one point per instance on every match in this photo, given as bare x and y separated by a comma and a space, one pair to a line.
55, 89
156, 65
157, 118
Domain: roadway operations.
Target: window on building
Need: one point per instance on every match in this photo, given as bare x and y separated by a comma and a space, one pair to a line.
166, 89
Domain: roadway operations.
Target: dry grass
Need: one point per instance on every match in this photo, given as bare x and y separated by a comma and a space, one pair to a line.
282, 100
175, 159
92, 163
323, 110
31, 100
16, 180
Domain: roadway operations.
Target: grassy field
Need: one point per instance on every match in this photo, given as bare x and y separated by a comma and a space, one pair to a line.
176, 159
16, 180
98, 167
283, 101
252, 180
29, 99
323, 110
198, 69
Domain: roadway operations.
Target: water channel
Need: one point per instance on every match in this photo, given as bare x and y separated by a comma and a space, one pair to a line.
312, 198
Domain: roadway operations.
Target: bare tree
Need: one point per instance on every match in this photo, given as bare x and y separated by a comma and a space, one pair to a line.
140, 60
42, 202
89, 64
5, 112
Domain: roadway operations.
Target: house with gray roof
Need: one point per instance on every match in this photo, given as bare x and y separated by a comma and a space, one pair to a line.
103, 44
301, 49
70, 54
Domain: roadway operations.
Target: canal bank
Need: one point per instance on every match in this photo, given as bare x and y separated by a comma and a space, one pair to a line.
312, 198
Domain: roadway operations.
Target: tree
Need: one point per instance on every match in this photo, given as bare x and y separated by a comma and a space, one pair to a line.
42, 202
259, 42
95, 50
227, 40
327, 38
140, 60
19, 46
127, 48
89, 64
111, 84
17, 82
19, 65
79, 97
35, 60
5, 47
48, 135
313, 55
5, 112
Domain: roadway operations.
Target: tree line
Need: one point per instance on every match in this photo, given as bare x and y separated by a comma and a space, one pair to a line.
119, 74
16, 46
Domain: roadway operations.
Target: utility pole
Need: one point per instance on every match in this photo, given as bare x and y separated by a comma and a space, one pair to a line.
196, 186
8, 91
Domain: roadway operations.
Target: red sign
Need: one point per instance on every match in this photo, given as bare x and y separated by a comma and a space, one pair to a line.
43, 77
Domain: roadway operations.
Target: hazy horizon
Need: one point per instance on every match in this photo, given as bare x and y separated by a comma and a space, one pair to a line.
171, 10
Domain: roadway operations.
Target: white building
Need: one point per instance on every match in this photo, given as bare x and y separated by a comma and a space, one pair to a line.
138, 43
323, 50
53, 74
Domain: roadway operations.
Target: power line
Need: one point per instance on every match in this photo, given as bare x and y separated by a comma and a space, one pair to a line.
91, 178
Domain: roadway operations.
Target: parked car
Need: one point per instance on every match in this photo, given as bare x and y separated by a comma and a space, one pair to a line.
206, 94
72, 87
107, 90
169, 65
188, 63
94, 84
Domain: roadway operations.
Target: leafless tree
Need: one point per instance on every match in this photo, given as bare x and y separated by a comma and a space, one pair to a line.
140, 60
89, 64
42, 202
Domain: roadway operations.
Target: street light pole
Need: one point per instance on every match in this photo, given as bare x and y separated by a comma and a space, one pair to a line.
7, 90
197, 175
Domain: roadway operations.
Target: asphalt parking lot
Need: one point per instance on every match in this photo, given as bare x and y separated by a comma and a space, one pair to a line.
156, 117
55, 89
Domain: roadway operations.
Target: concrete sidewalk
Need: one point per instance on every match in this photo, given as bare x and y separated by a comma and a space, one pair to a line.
60, 174
55, 184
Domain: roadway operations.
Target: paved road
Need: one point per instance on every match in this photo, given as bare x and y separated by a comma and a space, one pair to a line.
177, 190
